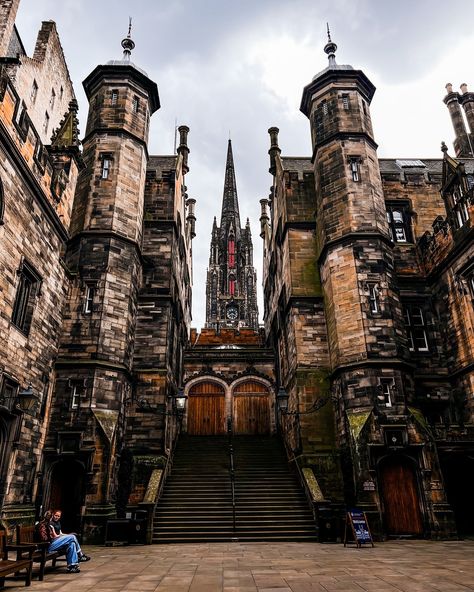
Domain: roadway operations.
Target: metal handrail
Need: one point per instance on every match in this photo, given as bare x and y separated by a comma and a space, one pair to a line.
231, 469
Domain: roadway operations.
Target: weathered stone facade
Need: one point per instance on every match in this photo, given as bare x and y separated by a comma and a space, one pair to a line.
368, 289
35, 211
390, 318
96, 247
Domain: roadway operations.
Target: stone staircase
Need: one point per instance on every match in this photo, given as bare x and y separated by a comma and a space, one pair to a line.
196, 505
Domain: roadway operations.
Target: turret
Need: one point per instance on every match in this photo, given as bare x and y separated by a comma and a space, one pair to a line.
337, 104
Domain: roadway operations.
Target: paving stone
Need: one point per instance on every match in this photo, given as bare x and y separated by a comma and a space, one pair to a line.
395, 566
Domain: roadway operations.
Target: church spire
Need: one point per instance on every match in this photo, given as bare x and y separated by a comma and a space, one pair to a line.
230, 205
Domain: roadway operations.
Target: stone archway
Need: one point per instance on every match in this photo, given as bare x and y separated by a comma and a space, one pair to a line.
400, 496
67, 492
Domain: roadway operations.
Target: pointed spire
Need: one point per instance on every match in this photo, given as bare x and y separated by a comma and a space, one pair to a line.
230, 204
330, 48
128, 44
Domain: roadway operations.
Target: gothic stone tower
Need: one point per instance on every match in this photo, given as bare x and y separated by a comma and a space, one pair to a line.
372, 380
231, 295
104, 258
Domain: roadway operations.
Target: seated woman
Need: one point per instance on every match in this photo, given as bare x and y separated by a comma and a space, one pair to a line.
56, 532
67, 541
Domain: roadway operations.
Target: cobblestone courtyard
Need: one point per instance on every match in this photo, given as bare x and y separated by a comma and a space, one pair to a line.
406, 566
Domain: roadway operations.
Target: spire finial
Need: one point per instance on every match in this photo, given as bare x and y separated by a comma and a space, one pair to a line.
128, 44
330, 48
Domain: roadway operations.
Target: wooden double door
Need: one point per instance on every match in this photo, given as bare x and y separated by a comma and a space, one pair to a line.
249, 408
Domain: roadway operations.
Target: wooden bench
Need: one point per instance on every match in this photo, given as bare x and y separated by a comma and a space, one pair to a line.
11, 566
25, 535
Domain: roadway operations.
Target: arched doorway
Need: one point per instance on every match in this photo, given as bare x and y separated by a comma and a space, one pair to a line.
206, 409
401, 503
67, 493
251, 408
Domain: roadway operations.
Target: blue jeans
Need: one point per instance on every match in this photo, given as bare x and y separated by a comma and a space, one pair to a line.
72, 547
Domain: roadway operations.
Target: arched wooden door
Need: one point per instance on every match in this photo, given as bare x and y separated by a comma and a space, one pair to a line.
67, 493
400, 496
251, 408
206, 409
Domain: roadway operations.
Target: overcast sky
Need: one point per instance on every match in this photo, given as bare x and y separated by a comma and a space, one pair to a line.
239, 66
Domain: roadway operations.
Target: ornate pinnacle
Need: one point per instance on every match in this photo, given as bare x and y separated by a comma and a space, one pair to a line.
330, 49
128, 44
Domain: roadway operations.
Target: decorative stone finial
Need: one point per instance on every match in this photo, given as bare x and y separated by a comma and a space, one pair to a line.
463, 88
444, 148
449, 88
128, 44
330, 49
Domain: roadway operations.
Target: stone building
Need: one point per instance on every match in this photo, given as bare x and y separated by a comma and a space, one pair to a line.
368, 288
96, 294
39, 167
231, 286
371, 313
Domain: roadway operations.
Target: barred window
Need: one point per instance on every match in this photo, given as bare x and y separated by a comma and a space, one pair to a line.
135, 104
114, 96
345, 102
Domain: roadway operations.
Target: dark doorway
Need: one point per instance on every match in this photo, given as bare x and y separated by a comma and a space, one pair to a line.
400, 497
458, 473
67, 493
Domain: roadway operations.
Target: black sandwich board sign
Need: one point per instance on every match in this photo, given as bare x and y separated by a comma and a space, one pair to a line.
357, 521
